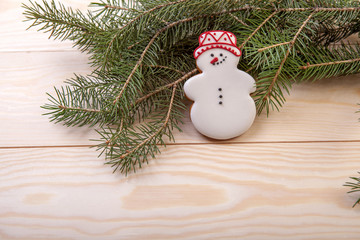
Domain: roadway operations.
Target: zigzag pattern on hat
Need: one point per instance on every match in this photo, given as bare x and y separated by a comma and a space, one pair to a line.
217, 39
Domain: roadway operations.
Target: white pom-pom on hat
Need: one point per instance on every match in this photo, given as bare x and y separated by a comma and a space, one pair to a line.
217, 39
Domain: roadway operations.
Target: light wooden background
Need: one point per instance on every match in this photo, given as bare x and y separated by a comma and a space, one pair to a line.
281, 180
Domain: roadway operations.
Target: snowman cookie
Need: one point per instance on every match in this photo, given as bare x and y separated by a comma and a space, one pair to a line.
222, 107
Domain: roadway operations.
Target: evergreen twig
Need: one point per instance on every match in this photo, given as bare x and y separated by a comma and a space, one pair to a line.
329, 63
354, 186
291, 45
183, 78
257, 29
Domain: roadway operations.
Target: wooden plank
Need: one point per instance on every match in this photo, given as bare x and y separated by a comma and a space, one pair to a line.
320, 111
25, 79
13, 37
231, 191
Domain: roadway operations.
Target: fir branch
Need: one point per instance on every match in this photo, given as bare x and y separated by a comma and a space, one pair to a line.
131, 157
324, 62
166, 121
79, 109
331, 34
169, 25
151, 10
112, 140
257, 29
80, 103
119, 8
139, 62
134, 20
238, 19
175, 83
156, 36
329, 63
277, 74
272, 46
166, 67
133, 45
354, 186
291, 44
63, 23
321, 9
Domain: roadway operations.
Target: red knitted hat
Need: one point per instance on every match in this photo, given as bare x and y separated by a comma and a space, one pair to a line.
217, 39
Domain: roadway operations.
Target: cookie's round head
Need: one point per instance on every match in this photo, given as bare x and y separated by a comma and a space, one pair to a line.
215, 49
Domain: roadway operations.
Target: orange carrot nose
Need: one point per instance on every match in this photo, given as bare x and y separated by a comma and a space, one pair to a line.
214, 60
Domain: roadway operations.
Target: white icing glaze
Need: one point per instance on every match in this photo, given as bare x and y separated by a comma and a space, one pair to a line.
222, 106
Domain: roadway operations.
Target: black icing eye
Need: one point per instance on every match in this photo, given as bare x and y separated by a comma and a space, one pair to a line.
221, 54
212, 55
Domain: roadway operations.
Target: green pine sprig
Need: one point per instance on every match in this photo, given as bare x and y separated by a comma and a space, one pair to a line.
354, 186
142, 54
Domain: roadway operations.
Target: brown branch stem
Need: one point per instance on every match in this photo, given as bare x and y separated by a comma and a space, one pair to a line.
329, 63
250, 69
238, 19
79, 109
192, 72
321, 9
118, 7
272, 46
133, 45
258, 28
161, 20
165, 67
112, 140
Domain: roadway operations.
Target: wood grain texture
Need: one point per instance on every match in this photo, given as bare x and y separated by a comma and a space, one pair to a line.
26, 77
13, 37
281, 180
319, 111
231, 191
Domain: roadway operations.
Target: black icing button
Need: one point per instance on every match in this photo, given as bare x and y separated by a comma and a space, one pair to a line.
220, 89
220, 96
220, 102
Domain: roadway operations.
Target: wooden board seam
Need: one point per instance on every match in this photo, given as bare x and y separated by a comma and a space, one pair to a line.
40, 51
199, 143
